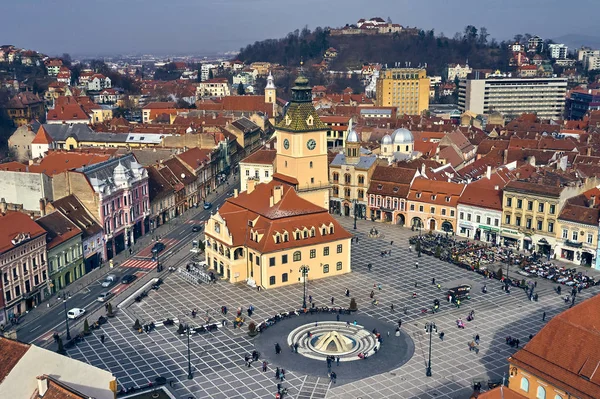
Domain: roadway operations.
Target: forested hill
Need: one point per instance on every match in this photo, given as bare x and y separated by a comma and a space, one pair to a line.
354, 50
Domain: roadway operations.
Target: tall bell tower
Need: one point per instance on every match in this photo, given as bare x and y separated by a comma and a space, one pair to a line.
302, 146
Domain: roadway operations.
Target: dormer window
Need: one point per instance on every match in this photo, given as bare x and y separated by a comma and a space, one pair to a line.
395, 189
312, 232
433, 197
288, 120
418, 195
277, 238
285, 237
305, 234
217, 228
331, 230
447, 199
380, 187
310, 120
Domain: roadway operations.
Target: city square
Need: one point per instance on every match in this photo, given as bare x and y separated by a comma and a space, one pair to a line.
217, 358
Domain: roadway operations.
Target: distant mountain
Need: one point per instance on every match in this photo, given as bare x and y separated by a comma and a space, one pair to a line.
574, 41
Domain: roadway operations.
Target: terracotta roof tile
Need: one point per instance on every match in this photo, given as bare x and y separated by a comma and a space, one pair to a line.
194, 157
58, 227
42, 137
440, 189
11, 353
262, 156
71, 207
500, 393
56, 162
571, 367
14, 223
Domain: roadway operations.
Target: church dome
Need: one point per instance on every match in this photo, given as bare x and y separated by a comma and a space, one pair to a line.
352, 136
402, 136
387, 139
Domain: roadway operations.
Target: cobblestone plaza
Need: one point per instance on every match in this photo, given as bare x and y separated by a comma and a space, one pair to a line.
217, 358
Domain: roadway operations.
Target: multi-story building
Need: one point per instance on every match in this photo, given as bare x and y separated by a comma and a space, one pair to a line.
454, 71
531, 207
577, 231
558, 51
115, 192
216, 87
258, 166
432, 204
350, 174
514, 96
480, 207
548, 368
535, 44
388, 191
265, 235
407, 89
337, 129
25, 107
91, 232
580, 102
22, 264
65, 250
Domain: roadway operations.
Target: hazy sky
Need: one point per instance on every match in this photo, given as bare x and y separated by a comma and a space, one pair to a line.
196, 26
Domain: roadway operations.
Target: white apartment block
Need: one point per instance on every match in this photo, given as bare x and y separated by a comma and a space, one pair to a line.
513, 96
558, 51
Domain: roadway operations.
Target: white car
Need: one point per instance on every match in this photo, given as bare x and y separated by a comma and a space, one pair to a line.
111, 278
103, 297
75, 313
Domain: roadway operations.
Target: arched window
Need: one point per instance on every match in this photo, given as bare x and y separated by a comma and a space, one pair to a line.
310, 164
305, 234
541, 393
284, 278
277, 239
524, 384
331, 230
297, 256
336, 177
312, 232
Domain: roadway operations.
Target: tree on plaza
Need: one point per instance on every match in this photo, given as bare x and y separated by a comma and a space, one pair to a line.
181, 329
61, 348
109, 310
353, 307
137, 325
500, 273
86, 327
438, 251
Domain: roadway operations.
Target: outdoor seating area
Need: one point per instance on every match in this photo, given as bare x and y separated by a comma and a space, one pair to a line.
493, 261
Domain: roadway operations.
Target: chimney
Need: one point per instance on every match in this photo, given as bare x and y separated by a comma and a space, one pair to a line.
592, 201
277, 194
42, 207
488, 173
251, 184
235, 193
3, 205
42, 381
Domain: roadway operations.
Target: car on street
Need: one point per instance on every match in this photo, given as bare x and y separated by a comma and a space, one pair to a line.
75, 313
128, 278
196, 229
207, 205
109, 280
158, 247
104, 296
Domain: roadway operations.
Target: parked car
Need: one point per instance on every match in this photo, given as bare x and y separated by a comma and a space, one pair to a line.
109, 280
207, 205
158, 247
75, 313
128, 278
104, 296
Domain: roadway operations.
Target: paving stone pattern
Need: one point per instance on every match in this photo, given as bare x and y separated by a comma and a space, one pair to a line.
218, 358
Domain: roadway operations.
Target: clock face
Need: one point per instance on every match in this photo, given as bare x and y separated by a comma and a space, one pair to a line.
286, 144
311, 144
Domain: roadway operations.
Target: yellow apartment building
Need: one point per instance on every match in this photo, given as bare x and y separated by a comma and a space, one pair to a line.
407, 89
263, 237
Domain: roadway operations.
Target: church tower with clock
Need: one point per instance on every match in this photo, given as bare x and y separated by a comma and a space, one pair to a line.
302, 147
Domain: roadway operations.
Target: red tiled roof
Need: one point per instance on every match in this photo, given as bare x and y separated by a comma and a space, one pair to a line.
441, 190
13, 167
285, 179
14, 223
262, 156
10, 354
194, 157
42, 137
290, 213
59, 161
58, 227
501, 392
67, 113
570, 367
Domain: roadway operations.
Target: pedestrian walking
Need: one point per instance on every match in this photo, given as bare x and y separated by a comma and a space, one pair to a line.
310, 298
264, 366
410, 248
416, 265
392, 307
347, 292
433, 281
400, 323
442, 335
477, 339
372, 294
130, 251
544, 316
392, 242
277, 349
379, 287
332, 300
102, 338
337, 361
369, 266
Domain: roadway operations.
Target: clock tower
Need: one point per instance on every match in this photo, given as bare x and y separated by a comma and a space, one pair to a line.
302, 146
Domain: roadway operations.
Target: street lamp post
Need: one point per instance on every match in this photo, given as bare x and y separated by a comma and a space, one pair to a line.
66, 316
430, 327
355, 210
508, 263
304, 270
190, 374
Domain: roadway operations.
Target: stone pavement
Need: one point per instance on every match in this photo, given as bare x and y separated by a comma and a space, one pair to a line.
98, 274
218, 358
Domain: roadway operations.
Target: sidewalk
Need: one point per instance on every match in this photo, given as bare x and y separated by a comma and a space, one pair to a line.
97, 274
